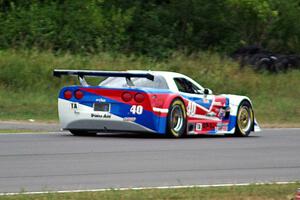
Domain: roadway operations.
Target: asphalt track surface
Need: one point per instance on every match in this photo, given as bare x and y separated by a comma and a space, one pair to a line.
59, 161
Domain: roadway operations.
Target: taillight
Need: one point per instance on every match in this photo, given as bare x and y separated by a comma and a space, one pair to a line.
139, 97
68, 94
78, 94
126, 96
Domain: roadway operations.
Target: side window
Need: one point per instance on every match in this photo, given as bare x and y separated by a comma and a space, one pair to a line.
159, 82
186, 86
182, 87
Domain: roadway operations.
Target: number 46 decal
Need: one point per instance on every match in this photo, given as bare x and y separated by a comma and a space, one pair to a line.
136, 109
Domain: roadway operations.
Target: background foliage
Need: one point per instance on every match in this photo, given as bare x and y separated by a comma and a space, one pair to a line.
186, 36
152, 27
29, 91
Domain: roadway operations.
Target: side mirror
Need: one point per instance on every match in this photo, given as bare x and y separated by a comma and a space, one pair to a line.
207, 91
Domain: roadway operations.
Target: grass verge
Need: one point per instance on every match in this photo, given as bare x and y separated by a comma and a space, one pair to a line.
20, 131
29, 91
252, 192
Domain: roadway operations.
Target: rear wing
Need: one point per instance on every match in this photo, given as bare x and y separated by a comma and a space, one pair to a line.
95, 73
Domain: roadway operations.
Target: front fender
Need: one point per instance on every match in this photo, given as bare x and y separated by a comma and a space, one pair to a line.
234, 102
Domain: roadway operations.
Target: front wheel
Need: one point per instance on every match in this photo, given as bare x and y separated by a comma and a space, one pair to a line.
244, 120
176, 120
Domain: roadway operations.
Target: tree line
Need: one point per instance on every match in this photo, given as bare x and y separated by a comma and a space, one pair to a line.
150, 27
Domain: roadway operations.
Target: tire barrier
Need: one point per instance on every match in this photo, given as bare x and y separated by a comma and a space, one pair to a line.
261, 59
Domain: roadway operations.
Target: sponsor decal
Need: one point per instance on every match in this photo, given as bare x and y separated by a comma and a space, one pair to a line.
205, 100
208, 126
221, 113
191, 108
210, 114
198, 126
129, 119
103, 116
218, 103
222, 127
74, 106
101, 100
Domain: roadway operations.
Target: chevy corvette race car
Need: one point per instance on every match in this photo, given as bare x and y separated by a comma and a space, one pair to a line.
150, 101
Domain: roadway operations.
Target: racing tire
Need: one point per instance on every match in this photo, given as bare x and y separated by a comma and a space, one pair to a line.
176, 120
82, 133
244, 120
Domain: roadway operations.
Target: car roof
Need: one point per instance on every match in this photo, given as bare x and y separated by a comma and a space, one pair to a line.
169, 76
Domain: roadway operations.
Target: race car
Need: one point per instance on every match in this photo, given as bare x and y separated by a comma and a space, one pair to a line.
159, 102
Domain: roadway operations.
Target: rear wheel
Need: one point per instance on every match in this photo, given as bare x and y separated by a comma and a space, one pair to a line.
176, 120
244, 120
82, 133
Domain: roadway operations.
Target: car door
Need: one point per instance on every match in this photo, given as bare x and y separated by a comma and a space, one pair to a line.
199, 103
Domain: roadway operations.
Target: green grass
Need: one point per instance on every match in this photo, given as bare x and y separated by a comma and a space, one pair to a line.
28, 89
253, 192
22, 105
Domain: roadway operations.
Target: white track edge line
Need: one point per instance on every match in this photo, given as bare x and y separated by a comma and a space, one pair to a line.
147, 188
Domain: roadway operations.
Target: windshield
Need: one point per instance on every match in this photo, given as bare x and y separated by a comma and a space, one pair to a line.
158, 83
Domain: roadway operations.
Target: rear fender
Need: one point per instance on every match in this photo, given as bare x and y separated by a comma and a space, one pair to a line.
160, 103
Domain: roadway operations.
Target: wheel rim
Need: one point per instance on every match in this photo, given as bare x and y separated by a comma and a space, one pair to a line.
176, 118
244, 119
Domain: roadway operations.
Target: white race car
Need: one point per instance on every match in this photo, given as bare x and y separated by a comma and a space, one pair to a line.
151, 101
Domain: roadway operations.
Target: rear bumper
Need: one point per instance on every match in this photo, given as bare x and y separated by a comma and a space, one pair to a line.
85, 118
